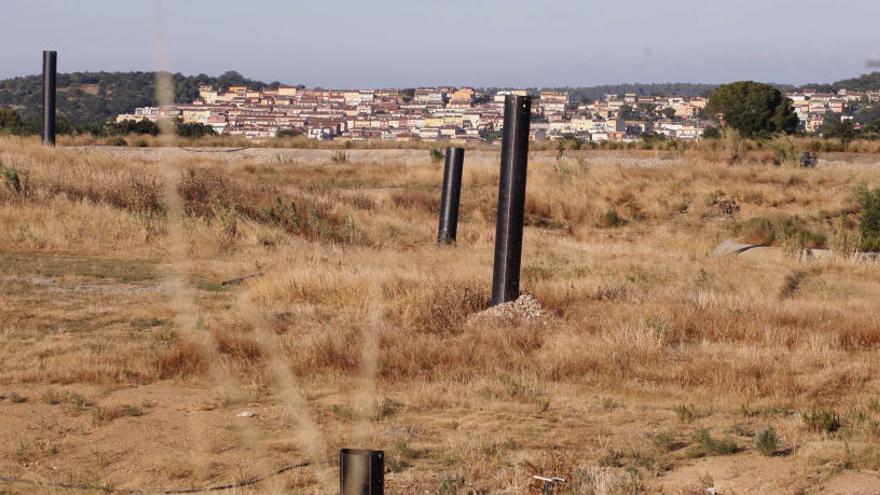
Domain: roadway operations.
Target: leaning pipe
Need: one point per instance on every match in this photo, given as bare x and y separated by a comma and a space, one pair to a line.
511, 199
451, 196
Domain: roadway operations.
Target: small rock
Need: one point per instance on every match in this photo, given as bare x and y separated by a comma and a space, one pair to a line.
866, 257
246, 414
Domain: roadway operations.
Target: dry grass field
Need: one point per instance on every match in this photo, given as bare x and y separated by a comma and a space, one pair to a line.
126, 363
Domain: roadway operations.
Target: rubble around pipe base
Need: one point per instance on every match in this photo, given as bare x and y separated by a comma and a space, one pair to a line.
525, 308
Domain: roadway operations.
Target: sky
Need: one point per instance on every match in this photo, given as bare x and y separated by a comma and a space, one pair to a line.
396, 43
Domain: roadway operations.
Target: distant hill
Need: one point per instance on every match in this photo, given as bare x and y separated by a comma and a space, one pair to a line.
94, 97
865, 82
578, 94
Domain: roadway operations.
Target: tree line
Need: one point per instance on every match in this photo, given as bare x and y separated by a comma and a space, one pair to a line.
865, 82
87, 100
12, 122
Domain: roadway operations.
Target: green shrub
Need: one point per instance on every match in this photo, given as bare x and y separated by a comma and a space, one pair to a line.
436, 155
822, 421
786, 149
686, 412
13, 179
869, 220
288, 132
117, 141
733, 145
767, 442
401, 456
705, 446
664, 441
339, 157
792, 284
612, 219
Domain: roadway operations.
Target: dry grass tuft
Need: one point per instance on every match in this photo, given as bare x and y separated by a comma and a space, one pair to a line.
97, 182
185, 360
103, 414
238, 348
416, 200
207, 192
438, 306
792, 284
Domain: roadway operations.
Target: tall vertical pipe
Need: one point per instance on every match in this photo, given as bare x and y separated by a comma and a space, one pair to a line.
511, 199
451, 195
50, 62
361, 472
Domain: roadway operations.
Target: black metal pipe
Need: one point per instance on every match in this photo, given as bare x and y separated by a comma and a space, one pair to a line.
361, 472
50, 63
511, 199
451, 195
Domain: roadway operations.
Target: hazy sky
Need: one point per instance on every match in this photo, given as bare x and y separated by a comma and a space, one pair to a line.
372, 43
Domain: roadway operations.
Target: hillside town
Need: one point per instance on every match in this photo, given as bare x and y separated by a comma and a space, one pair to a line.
463, 114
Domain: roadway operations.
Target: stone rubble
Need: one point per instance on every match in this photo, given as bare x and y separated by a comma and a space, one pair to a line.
526, 307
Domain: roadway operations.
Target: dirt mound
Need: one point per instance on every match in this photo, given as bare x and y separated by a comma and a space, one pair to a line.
526, 307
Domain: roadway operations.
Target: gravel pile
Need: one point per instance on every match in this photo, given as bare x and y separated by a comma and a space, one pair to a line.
526, 307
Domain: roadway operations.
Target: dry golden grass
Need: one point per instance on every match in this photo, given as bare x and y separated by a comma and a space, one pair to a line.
357, 330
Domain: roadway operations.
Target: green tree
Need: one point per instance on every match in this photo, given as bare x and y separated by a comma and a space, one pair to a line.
871, 131
628, 113
869, 221
868, 115
194, 130
711, 133
835, 128
63, 125
408, 93
91, 98
489, 134
133, 127
10, 121
288, 132
754, 109
647, 109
